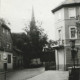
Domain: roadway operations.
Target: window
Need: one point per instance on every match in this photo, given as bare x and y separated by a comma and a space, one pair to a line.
59, 31
0, 56
73, 34
9, 58
3, 30
72, 12
7, 32
0, 43
59, 15
8, 45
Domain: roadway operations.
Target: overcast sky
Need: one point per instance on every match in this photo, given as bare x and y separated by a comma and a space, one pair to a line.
18, 13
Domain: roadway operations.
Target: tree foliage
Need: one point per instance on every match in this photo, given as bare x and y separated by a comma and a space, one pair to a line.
31, 43
37, 40
19, 39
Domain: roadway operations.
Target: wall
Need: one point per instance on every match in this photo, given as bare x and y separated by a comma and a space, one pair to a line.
64, 24
70, 22
9, 65
69, 61
5, 38
60, 59
68, 57
60, 24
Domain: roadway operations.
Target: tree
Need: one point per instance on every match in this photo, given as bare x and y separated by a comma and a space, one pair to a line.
32, 44
37, 40
18, 40
49, 53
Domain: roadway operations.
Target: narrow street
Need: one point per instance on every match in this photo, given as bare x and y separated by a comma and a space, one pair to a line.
52, 75
37, 74
23, 74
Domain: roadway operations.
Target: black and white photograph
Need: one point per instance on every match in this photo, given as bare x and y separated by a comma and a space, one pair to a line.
39, 39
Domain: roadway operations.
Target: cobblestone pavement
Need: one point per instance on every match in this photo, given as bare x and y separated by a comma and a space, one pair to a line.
52, 75
22, 74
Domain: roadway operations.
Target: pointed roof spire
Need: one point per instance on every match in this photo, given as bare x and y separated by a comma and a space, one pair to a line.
32, 23
33, 17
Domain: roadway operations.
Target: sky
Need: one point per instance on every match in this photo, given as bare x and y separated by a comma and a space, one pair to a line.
18, 13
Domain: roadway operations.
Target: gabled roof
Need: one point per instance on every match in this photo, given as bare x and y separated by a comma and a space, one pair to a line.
67, 3
5, 26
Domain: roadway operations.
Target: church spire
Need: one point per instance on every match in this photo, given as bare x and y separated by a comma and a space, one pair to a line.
32, 23
33, 17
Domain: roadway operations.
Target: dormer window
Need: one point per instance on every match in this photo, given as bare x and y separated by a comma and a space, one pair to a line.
72, 13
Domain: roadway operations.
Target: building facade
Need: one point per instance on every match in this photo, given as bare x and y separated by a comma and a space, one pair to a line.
6, 55
17, 58
66, 15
